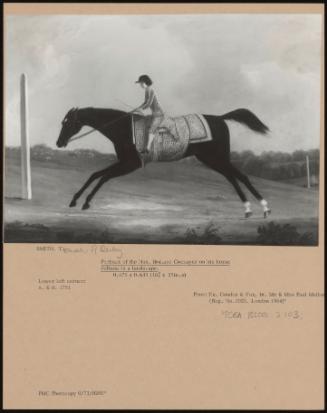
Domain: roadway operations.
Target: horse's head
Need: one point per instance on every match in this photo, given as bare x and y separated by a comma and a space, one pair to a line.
70, 126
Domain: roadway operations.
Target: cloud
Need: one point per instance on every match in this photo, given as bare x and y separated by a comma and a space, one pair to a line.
267, 63
200, 63
83, 61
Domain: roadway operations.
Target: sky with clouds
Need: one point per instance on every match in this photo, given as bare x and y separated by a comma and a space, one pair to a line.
209, 64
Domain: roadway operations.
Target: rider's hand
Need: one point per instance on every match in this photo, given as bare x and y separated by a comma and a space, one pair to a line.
139, 111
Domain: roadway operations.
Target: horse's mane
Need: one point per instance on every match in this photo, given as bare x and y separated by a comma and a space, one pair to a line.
104, 111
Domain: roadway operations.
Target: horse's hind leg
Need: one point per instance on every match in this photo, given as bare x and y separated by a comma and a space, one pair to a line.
91, 179
231, 178
245, 180
226, 171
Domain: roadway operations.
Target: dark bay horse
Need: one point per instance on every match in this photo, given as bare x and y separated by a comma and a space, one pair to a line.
116, 125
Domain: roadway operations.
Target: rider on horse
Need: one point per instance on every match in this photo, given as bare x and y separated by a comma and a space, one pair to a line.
151, 102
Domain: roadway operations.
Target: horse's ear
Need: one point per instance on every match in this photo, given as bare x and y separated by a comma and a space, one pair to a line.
71, 111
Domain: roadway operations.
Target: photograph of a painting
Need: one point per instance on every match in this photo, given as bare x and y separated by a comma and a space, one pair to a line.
162, 129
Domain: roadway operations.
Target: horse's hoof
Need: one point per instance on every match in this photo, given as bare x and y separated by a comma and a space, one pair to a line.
86, 206
266, 213
248, 214
72, 204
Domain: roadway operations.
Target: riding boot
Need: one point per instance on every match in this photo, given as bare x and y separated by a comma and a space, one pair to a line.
151, 137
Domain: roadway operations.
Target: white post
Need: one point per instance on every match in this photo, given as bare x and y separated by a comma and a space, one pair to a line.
308, 172
25, 144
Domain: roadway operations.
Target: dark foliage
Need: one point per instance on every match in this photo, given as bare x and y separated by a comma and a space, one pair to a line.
278, 165
268, 165
286, 234
209, 235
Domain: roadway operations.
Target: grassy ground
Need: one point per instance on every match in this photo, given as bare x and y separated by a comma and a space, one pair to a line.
162, 203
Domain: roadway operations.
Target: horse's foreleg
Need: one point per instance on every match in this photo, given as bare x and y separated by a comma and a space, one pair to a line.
118, 169
91, 179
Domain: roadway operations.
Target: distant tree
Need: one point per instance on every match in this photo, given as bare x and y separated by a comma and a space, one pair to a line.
254, 166
314, 166
298, 155
314, 154
12, 151
269, 156
247, 154
41, 151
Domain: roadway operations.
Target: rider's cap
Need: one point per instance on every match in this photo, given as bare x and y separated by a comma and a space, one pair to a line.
144, 79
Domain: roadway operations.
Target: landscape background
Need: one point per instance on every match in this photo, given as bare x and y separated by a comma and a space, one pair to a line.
179, 202
269, 63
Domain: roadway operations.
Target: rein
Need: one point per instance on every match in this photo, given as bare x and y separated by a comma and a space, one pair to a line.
106, 124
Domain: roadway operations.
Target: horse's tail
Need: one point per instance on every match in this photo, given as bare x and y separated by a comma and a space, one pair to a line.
246, 117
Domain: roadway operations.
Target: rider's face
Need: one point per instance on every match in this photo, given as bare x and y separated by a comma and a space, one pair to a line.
143, 85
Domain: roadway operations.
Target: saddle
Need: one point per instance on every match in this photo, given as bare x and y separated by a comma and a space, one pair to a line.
172, 136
